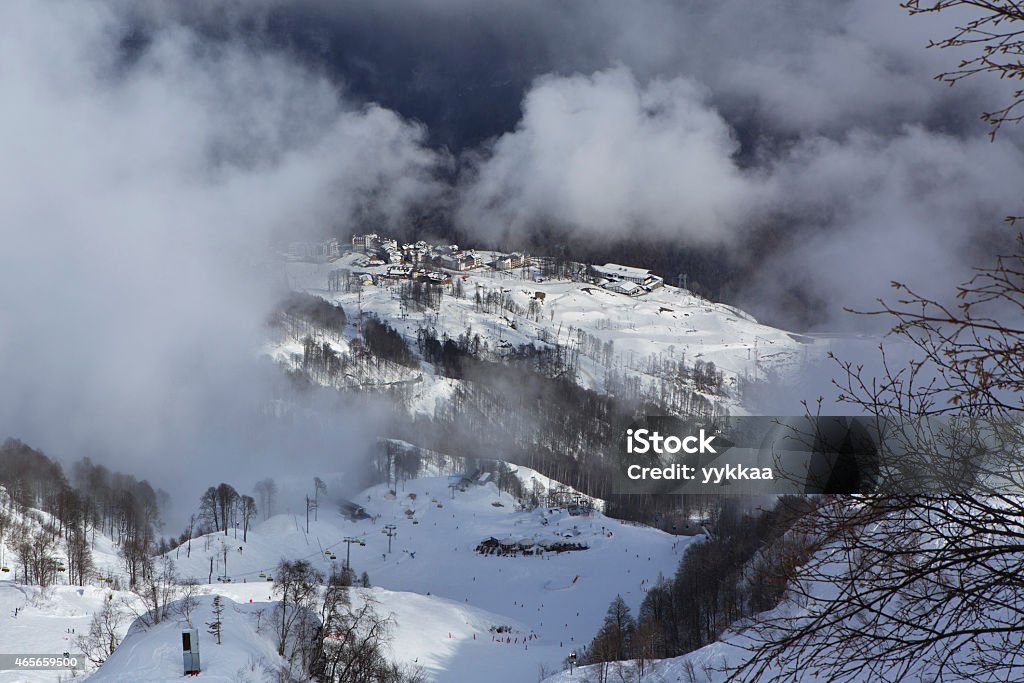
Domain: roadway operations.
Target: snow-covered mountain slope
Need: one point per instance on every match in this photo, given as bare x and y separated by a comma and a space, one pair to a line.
454, 611
709, 664
153, 654
853, 613
37, 621
106, 562
612, 334
442, 639
46, 623
555, 599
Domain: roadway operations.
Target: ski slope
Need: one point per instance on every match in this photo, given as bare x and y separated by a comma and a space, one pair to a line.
555, 601
45, 623
666, 324
153, 654
34, 621
454, 611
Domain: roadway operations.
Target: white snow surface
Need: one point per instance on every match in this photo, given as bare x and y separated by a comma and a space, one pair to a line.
44, 622
49, 622
154, 653
445, 597
667, 323
445, 600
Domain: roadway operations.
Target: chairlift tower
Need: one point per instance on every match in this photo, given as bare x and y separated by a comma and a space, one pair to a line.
348, 541
359, 319
756, 354
390, 530
311, 504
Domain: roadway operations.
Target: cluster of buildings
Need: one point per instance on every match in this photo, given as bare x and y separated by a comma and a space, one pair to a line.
428, 263
410, 272
513, 547
624, 279
328, 250
383, 251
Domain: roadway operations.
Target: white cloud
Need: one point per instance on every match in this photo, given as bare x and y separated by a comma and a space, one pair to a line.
137, 200
605, 154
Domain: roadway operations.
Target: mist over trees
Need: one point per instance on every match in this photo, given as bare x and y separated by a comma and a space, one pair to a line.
501, 405
300, 313
931, 575
96, 499
266, 492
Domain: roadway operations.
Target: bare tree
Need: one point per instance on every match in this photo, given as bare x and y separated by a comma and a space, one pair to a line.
191, 533
104, 632
265, 490
352, 648
209, 511
296, 583
614, 642
970, 360
157, 590
6, 524
247, 507
259, 614
34, 546
79, 555
188, 591
993, 38
928, 583
226, 498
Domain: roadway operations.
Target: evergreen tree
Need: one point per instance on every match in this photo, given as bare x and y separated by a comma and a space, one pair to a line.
215, 627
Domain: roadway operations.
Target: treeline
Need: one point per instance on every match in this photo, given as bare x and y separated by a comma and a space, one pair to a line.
509, 401
384, 342
380, 345
397, 461
222, 508
529, 409
508, 407
303, 314
741, 570
95, 499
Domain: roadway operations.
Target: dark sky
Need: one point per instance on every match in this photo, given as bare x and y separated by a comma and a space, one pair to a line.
791, 155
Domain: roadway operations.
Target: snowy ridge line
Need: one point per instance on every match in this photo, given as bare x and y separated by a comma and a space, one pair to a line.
647, 337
